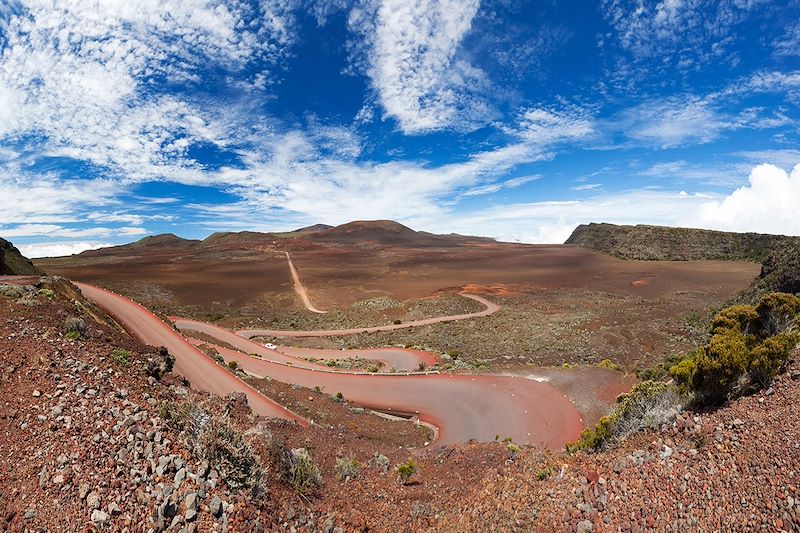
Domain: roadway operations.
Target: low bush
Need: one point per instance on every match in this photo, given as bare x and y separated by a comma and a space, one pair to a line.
47, 293
347, 468
75, 328
648, 405
406, 470
608, 364
121, 356
296, 467
233, 365
224, 446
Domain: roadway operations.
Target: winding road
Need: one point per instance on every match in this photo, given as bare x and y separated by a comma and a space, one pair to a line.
191, 363
489, 308
461, 407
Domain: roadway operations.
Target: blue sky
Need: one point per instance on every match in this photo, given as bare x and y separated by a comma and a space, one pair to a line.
512, 119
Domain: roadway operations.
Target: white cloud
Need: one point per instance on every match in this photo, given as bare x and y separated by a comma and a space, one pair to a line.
54, 230
781, 158
44, 198
769, 204
673, 122
56, 249
553, 221
79, 77
789, 43
500, 185
411, 49
685, 32
587, 187
340, 189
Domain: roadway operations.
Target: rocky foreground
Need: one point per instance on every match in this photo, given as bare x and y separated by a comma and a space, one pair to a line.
97, 434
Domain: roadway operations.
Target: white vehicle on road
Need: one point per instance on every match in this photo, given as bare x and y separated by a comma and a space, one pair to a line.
270, 346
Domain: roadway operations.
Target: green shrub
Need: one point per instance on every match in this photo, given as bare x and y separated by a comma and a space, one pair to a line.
73, 335
513, 449
648, 405
47, 293
372, 368
454, 353
778, 311
233, 365
541, 475
338, 397
347, 468
770, 356
748, 348
330, 362
406, 470
398, 321
608, 364
742, 318
121, 356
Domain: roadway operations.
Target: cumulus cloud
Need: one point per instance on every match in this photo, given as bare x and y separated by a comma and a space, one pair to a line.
768, 204
56, 249
411, 56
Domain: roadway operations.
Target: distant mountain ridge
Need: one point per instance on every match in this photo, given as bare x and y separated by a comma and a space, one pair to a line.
362, 232
12, 262
659, 243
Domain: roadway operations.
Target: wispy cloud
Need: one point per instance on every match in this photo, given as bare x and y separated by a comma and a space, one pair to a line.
686, 33
587, 187
410, 52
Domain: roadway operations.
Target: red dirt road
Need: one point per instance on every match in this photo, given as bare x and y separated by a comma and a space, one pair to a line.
397, 358
191, 363
490, 309
461, 407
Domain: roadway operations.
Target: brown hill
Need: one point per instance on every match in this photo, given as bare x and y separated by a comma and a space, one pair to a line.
12, 262
388, 232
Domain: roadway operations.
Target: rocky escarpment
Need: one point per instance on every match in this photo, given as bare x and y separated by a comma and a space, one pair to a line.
658, 243
780, 272
12, 262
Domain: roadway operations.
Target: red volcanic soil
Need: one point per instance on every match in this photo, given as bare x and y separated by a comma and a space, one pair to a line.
343, 275
237, 272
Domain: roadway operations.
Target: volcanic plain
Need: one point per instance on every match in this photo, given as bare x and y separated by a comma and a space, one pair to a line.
560, 303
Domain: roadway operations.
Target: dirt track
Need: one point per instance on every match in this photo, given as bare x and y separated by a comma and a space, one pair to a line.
300, 289
491, 308
461, 407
